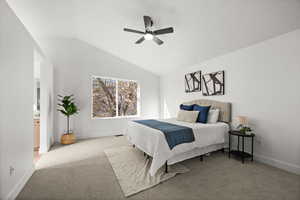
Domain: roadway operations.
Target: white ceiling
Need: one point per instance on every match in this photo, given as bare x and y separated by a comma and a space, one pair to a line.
203, 28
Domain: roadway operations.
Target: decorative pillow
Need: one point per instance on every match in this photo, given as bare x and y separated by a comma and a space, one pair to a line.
213, 116
187, 116
186, 107
202, 118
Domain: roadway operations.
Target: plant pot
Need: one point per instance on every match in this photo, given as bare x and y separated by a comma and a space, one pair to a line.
68, 138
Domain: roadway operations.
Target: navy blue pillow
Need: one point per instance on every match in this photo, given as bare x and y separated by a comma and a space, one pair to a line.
202, 117
186, 107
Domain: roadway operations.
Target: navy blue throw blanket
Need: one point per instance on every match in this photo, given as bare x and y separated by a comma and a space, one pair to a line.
174, 134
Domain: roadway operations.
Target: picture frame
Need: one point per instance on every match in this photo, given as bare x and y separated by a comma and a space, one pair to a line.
193, 82
213, 83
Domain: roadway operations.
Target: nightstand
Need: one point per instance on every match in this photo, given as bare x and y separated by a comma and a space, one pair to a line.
241, 153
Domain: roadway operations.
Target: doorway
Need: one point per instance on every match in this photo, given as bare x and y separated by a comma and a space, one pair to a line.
43, 108
36, 109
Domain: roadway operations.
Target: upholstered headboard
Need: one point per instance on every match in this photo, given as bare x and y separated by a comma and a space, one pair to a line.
224, 107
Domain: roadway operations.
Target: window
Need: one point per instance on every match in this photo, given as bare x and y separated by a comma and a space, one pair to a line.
114, 97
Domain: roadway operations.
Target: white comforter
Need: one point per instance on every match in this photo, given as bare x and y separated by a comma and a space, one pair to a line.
153, 142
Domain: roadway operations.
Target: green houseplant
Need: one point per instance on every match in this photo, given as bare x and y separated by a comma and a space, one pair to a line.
245, 129
67, 107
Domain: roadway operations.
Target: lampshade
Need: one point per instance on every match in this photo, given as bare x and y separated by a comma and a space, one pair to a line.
242, 120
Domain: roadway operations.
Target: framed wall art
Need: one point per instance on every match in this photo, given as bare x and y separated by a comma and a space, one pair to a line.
214, 83
193, 82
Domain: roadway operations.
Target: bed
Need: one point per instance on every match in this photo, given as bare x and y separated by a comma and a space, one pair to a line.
208, 137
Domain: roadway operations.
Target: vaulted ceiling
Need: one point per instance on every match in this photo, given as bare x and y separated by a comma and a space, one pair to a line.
203, 28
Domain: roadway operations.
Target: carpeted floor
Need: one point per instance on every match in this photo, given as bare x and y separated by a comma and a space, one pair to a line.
82, 171
132, 169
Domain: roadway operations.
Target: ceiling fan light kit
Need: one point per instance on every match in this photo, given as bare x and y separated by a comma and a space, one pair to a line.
148, 34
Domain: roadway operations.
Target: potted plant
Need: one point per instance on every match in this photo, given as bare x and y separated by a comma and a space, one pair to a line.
245, 130
68, 108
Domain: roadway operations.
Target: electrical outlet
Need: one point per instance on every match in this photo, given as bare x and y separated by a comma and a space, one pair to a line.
11, 170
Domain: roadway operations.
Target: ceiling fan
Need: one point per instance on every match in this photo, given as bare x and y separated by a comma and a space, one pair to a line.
149, 34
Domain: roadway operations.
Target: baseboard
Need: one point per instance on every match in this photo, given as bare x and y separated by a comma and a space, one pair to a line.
96, 134
19, 186
278, 163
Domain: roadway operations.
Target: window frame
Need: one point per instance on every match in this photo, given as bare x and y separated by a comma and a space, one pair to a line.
117, 98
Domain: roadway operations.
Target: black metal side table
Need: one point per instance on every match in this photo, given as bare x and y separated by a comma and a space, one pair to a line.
242, 154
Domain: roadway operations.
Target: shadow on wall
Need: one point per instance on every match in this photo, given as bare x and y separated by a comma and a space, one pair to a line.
75, 61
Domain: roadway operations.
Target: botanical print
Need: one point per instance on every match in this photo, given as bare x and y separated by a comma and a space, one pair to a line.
213, 84
193, 82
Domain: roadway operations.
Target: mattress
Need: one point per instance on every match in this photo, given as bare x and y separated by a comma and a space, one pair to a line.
153, 142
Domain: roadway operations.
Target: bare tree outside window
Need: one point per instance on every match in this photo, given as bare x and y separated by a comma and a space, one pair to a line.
113, 97
127, 98
104, 97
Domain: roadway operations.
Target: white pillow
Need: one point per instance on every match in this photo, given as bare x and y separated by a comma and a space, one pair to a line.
213, 116
187, 116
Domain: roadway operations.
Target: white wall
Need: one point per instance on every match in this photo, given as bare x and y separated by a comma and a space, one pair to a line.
46, 106
16, 65
74, 63
16, 103
262, 83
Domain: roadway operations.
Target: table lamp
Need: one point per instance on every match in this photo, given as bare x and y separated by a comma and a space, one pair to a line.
242, 121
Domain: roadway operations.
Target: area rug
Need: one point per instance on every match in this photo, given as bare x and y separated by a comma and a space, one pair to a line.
131, 168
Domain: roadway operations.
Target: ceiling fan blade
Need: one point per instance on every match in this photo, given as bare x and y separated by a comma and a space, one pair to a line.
157, 40
163, 31
133, 31
147, 21
140, 40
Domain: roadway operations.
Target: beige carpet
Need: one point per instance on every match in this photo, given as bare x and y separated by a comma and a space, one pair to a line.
132, 170
82, 171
